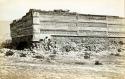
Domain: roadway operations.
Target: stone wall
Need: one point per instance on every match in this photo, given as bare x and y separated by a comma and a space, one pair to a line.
91, 25
37, 24
22, 31
22, 27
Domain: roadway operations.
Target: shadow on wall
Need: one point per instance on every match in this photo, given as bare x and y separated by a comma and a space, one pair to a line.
22, 45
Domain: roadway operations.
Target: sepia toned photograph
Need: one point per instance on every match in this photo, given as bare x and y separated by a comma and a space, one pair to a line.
62, 39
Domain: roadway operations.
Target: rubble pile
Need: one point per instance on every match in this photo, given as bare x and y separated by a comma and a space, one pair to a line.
72, 52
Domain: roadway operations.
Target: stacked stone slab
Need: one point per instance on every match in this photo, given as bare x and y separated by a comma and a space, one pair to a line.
37, 25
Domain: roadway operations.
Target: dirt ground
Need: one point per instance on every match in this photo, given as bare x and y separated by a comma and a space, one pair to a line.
23, 68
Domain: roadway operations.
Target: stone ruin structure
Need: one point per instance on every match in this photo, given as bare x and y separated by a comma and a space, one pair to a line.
63, 26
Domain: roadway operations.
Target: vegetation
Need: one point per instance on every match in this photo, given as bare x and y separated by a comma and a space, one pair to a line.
6, 44
9, 53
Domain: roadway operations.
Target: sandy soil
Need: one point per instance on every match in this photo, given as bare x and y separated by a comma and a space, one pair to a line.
26, 68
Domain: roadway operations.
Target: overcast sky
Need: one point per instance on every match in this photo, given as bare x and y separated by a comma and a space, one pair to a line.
14, 9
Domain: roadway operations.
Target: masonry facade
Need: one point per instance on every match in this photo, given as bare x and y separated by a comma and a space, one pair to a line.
37, 25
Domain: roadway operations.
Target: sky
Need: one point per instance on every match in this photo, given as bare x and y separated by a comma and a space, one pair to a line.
14, 9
